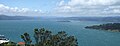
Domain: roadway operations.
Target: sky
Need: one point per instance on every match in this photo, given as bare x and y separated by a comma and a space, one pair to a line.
63, 8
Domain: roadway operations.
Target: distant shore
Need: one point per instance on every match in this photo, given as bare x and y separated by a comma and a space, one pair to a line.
114, 27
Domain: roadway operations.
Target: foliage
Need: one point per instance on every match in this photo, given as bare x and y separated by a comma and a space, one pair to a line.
46, 38
26, 38
8, 44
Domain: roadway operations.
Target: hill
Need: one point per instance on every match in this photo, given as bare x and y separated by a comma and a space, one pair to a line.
115, 27
5, 17
103, 19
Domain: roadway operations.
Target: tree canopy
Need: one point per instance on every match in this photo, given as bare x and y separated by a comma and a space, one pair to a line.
45, 37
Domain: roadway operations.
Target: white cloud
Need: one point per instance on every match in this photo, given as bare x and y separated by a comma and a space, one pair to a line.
112, 9
18, 11
116, 10
91, 2
61, 3
89, 7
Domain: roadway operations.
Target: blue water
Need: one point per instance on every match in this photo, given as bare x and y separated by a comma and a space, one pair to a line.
12, 29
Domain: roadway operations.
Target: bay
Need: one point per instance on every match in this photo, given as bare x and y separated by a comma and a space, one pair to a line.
12, 29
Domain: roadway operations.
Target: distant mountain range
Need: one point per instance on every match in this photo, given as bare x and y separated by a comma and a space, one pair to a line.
106, 19
5, 17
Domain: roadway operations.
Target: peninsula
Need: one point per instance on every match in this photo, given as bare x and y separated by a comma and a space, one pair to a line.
115, 27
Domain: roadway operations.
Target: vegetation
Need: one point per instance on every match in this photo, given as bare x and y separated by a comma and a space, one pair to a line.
8, 44
26, 39
46, 38
109, 26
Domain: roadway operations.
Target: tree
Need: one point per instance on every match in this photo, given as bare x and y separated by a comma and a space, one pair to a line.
46, 38
26, 39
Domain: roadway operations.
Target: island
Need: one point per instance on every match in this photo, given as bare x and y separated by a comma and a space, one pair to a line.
115, 27
63, 21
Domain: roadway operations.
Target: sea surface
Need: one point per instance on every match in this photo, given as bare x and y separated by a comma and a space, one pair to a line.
12, 29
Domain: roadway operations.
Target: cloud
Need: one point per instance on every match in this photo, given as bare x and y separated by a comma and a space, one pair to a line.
61, 2
92, 2
18, 11
70, 8
89, 7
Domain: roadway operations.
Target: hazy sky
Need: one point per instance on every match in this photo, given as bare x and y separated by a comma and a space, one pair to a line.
60, 7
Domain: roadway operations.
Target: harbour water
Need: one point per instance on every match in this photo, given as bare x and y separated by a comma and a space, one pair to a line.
12, 29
